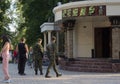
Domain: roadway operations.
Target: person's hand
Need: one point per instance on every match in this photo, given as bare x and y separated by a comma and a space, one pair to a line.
27, 55
59, 58
0, 54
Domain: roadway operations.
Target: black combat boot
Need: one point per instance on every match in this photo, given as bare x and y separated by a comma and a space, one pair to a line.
41, 73
58, 75
47, 76
36, 73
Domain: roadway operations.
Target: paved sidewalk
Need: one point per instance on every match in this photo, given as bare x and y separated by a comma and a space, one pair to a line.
68, 77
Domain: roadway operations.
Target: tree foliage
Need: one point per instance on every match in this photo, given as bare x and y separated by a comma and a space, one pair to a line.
26, 16
4, 5
30, 14
36, 12
4, 19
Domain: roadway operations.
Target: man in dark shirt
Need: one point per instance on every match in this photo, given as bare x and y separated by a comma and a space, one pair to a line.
22, 50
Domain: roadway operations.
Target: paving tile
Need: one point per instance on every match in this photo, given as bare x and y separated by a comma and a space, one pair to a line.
68, 77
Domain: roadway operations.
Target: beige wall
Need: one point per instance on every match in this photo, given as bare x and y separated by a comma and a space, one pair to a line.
112, 10
58, 15
83, 36
84, 39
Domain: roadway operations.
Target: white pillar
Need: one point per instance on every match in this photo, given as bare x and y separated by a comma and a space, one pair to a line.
45, 41
57, 41
49, 36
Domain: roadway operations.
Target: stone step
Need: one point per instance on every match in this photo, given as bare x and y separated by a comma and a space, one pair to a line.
89, 62
87, 65
92, 60
86, 69
94, 65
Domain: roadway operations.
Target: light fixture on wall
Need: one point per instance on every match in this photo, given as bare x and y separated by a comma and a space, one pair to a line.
84, 26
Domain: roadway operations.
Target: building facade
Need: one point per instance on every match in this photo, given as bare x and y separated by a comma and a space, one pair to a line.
91, 28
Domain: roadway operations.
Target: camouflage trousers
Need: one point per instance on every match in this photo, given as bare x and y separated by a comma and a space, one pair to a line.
38, 65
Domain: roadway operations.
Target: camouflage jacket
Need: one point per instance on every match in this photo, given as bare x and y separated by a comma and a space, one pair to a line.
37, 51
51, 51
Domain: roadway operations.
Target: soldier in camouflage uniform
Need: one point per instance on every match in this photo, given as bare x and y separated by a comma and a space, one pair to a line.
51, 52
37, 56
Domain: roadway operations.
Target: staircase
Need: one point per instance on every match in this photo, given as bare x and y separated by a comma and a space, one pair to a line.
87, 65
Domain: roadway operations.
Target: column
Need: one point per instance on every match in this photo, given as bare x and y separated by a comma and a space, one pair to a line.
66, 47
49, 36
70, 44
115, 24
116, 43
68, 27
57, 35
45, 41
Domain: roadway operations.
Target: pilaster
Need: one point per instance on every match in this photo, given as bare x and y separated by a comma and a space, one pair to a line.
116, 43
45, 41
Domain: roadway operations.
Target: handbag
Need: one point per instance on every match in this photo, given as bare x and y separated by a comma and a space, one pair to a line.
1, 58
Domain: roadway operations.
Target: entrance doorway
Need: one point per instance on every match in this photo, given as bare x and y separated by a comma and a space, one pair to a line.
102, 42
